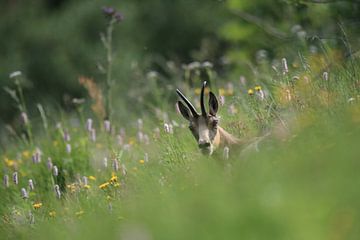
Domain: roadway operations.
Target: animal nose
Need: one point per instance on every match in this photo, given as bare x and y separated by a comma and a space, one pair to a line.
204, 144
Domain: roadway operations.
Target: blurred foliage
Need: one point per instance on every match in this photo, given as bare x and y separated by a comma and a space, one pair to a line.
55, 42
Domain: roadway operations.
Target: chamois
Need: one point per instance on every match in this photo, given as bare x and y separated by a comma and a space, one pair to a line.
204, 127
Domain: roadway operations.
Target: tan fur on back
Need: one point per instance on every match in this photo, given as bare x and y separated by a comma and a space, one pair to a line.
223, 138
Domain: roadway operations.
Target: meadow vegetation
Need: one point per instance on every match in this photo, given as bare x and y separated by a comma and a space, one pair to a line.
103, 171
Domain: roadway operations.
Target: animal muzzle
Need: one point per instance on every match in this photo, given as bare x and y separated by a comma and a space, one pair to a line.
205, 147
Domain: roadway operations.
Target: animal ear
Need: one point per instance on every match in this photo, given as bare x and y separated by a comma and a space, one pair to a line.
185, 112
213, 104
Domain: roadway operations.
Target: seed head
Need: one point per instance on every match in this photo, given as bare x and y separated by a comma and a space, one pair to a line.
6, 181
31, 185
57, 191
55, 171
24, 193
15, 178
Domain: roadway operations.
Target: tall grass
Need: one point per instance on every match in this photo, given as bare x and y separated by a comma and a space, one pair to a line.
146, 183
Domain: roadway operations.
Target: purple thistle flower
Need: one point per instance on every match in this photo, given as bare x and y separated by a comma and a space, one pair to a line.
118, 16
108, 11
31, 185
15, 178
57, 191
24, 193
6, 180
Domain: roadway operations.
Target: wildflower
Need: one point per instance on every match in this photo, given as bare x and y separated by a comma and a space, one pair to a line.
222, 100
26, 154
93, 135
242, 80
104, 185
15, 178
92, 178
55, 171
37, 205
142, 161
257, 88
24, 118
85, 180
140, 124
52, 214
285, 66
120, 140
31, 185
79, 213
260, 92
6, 180
146, 139
207, 64
107, 126
87, 186
89, 123
113, 178
115, 165
112, 13
105, 162
123, 170
251, 92
15, 74
49, 163
66, 136
68, 148
31, 218
140, 136
226, 152
24, 193
36, 157
57, 191
325, 76
116, 184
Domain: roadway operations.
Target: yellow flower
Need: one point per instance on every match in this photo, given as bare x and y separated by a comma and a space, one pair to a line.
104, 185
222, 92
9, 163
37, 205
116, 184
52, 213
79, 213
87, 186
251, 92
258, 88
141, 161
92, 178
26, 154
113, 179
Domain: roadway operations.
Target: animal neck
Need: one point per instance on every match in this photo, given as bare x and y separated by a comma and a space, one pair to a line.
223, 138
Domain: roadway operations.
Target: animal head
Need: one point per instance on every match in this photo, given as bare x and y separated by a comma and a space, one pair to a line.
203, 126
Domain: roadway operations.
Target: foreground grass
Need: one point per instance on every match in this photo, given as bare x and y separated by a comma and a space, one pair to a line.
302, 184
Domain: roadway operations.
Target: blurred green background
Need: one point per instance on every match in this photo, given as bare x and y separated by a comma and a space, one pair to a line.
54, 42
